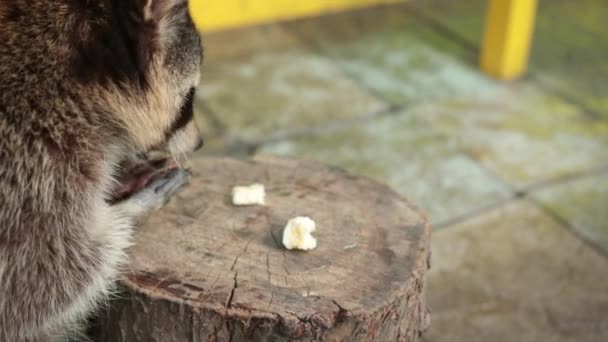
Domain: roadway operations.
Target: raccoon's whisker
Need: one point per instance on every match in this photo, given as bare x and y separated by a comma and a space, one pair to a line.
176, 161
184, 157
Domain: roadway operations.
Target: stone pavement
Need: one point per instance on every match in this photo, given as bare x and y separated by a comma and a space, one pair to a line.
513, 175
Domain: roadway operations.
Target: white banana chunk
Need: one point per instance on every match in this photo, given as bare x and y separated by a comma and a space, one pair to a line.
297, 234
249, 195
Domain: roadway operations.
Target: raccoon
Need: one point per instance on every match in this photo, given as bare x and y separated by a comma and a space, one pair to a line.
87, 89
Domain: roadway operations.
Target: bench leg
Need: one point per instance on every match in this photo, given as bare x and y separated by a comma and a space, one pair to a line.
507, 38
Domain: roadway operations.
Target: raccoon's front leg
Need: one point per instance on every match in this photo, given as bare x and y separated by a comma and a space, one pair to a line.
99, 255
155, 194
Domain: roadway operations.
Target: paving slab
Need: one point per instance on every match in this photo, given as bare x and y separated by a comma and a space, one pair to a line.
268, 92
514, 274
396, 54
244, 41
584, 204
408, 154
523, 134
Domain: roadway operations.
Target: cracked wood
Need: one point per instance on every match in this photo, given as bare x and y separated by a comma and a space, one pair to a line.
203, 270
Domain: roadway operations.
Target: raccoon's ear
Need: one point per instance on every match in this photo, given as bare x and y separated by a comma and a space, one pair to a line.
157, 9
121, 47
166, 17
146, 25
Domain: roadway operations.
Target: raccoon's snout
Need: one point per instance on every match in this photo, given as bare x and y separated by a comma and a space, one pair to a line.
183, 136
185, 140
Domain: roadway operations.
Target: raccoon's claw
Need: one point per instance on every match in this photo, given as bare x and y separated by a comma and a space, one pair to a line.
136, 174
171, 181
159, 191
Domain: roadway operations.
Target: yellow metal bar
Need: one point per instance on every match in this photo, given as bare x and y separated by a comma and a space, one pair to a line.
507, 38
212, 15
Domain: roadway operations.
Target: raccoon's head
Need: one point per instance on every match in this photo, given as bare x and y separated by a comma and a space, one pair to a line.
142, 59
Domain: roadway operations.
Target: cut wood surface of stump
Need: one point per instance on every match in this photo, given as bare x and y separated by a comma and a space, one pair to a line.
205, 270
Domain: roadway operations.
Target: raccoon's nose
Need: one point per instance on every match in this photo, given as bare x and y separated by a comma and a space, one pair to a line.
199, 144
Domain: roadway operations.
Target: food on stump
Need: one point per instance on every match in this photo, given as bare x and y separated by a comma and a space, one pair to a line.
297, 234
249, 195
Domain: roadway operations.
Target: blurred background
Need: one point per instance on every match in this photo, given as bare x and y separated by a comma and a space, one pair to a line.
513, 172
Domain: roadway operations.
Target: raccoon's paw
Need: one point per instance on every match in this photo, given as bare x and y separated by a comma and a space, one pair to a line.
157, 193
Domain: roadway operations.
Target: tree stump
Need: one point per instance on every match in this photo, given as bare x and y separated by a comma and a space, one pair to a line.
205, 270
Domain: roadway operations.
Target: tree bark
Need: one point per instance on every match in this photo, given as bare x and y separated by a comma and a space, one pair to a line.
205, 270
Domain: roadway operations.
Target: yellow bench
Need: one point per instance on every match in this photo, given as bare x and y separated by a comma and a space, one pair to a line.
212, 15
505, 46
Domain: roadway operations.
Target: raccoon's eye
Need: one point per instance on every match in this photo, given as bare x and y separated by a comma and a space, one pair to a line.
185, 114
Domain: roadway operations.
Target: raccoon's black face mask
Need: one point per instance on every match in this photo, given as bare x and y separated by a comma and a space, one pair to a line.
145, 58
141, 60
